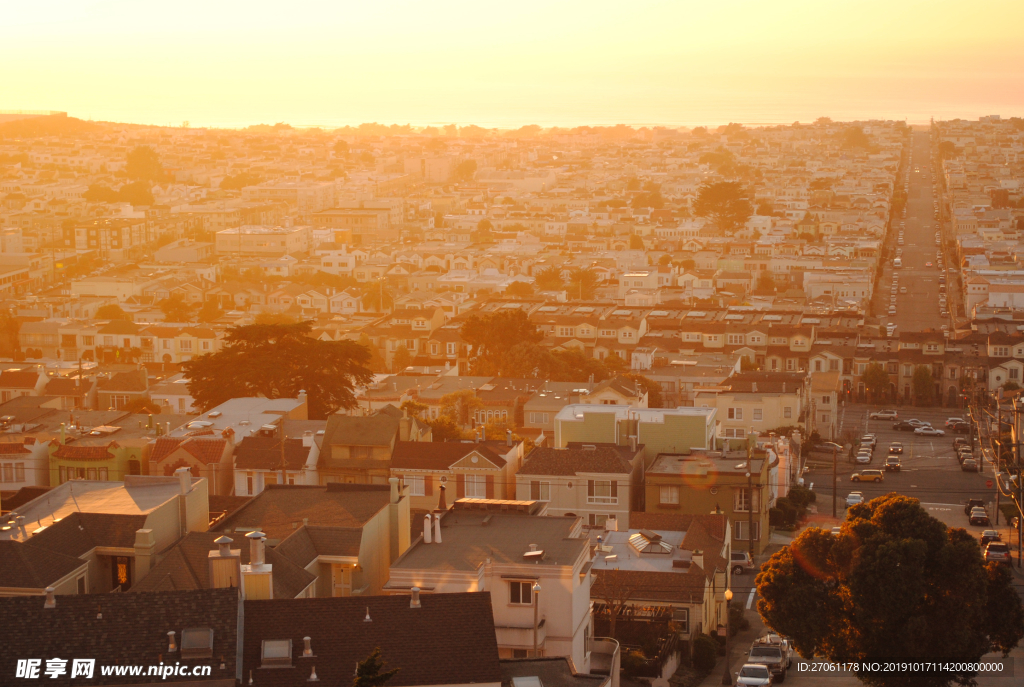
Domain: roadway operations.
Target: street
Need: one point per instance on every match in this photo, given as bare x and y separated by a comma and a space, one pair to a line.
918, 308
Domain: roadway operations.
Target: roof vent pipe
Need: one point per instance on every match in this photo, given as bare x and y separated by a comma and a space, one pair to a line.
414, 602
437, 528
51, 600
256, 540
307, 648
426, 529
172, 646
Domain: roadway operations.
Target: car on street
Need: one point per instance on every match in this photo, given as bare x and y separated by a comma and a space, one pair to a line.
998, 551
929, 432
896, 447
771, 656
919, 423
884, 414
972, 504
979, 516
953, 420
989, 535
928, 264
741, 562
962, 428
960, 441
775, 639
969, 465
892, 463
868, 441
863, 456
753, 675
870, 475
904, 426
853, 498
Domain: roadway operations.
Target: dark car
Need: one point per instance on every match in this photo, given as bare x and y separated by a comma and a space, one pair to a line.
961, 427
895, 447
904, 426
989, 536
979, 516
973, 503
892, 464
969, 465
960, 441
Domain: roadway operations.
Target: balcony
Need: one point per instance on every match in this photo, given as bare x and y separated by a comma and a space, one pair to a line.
605, 658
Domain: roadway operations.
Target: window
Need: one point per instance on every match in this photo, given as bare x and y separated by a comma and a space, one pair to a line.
826, 400
1014, 373
565, 331
790, 364
88, 340
476, 486
206, 345
118, 401
450, 348
735, 338
735, 413
596, 520
825, 418
185, 345
276, 652
833, 365
8, 472
248, 484
102, 474
434, 348
741, 500
681, 617
817, 366
787, 413
669, 496
540, 491
602, 491
415, 484
757, 414
520, 593
108, 341
540, 418
742, 527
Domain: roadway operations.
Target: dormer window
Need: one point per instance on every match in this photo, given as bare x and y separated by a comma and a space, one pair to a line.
276, 653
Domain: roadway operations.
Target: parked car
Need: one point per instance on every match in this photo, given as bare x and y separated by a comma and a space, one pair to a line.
969, 465
884, 415
741, 562
863, 456
953, 420
896, 447
753, 675
988, 536
961, 428
960, 441
775, 639
929, 432
867, 476
919, 423
853, 498
998, 551
972, 504
979, 516
770, 656
892, 464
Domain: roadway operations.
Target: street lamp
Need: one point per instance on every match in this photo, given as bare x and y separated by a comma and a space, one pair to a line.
727, 676
536, 608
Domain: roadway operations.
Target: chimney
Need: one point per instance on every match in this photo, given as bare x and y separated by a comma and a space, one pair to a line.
414, 602
225, 564
483, 433
307, 649
508, 438
256, 543
145, 548
441, 505
698, 558
427, 535
172, 646
302, 396
437, 528
307, 438
753, 387
632, 443
51, 600
184, 476
395, 492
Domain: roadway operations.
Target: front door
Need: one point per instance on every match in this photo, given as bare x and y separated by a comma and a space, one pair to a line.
342, 580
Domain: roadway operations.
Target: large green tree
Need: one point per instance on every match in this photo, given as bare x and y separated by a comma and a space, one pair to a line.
10, 326
549, 279
278, 361
175, 309
876, 381
896, 583
493, 335
583, 283
144, 165
724, 203
924, 385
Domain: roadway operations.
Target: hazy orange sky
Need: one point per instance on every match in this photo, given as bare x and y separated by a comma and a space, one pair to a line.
507, 64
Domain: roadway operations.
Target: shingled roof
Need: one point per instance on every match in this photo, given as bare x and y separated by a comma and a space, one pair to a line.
79, 533
449, 640
308, 542
134, 380
186, 567
205, 448
279, 505
571, 461
714, 525
430, 455
19, 379
264, 453
30, 567
118, 629
646, 585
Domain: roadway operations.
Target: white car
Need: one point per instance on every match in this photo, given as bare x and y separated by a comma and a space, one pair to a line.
854, 498
754, 674
929, 432
884, 415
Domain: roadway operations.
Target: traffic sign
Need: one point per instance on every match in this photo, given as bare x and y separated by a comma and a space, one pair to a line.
988, 483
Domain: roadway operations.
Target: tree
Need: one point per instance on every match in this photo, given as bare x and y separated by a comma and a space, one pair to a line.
10, 343
924, 385
636, 242
519, 289
483, 230
464, 171
112, 311
377, 298
401, 359
444, 428
239, 181
615, 588
876, 381
210, 311
583, 283
144, 165
653, 389
278, 361
725, 204
460, 406
549, 279
370, 671
947, 150
854, 137
766, 282
98, 193
413, 408
1000, 198
136, 193
493, 335
175, 309
894, 582
341, 148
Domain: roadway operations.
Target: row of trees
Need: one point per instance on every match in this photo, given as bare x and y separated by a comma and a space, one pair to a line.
877, 384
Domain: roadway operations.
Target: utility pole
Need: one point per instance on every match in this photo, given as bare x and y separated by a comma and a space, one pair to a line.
750, 492
834, 495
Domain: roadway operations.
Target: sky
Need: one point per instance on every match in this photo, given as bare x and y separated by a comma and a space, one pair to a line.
507, 64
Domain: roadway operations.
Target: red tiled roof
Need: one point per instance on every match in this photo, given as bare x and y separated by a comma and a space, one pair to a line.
72, 452
8, 448
205, 449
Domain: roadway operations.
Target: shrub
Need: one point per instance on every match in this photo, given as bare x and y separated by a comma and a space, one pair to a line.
705, 652
737, 620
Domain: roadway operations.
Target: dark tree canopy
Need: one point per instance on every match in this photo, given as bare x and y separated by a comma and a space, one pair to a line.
144, 165
175, 309
896, 583
278, 361
549, 279
583, 283
876, 380
370, 671
493, 335
112, 311
725, 204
